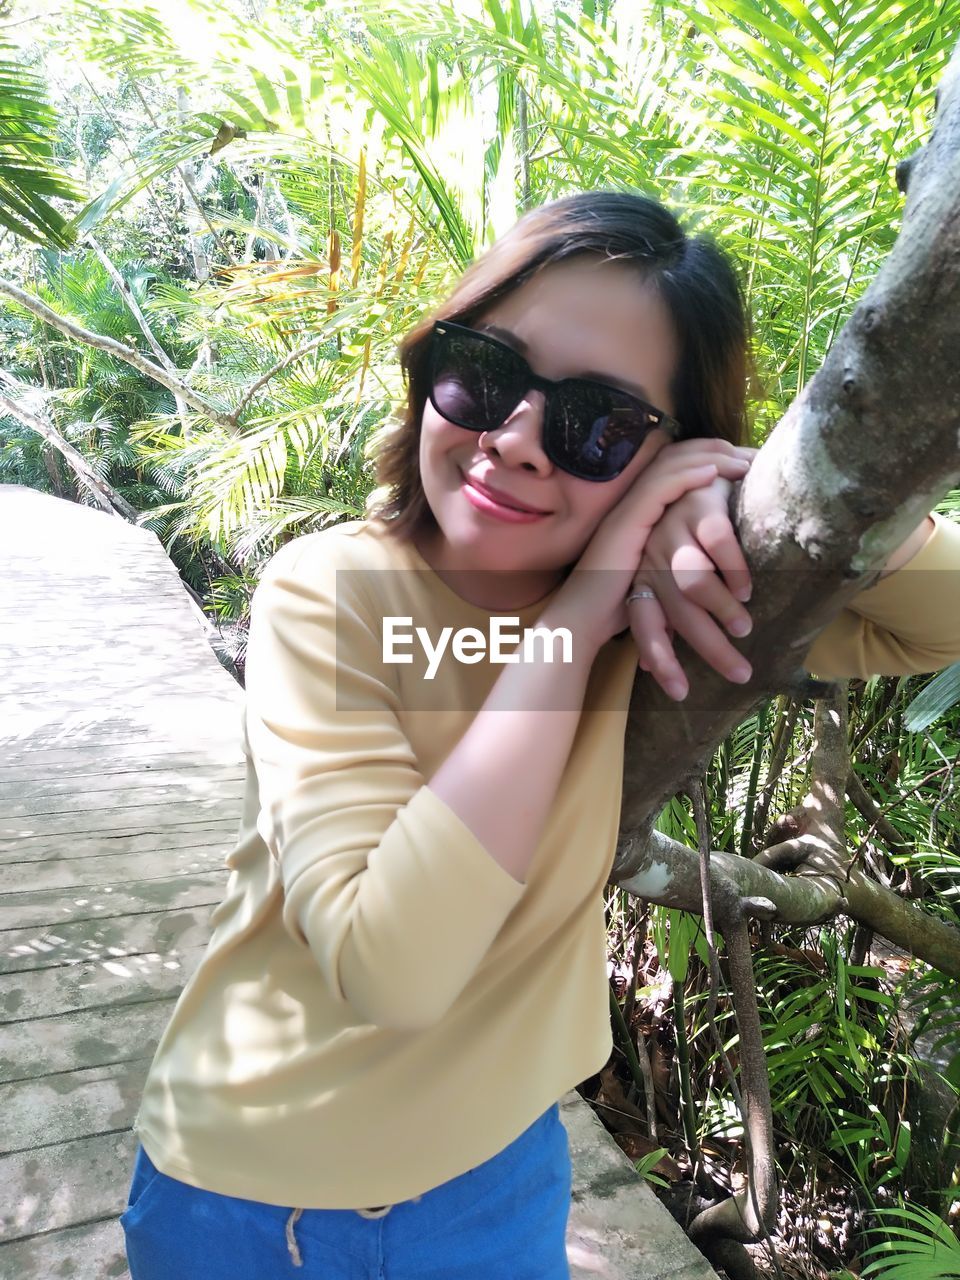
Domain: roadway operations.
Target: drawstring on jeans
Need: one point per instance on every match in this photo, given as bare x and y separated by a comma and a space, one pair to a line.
291, 1238
294, 1218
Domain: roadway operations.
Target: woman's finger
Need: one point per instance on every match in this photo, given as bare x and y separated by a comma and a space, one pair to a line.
654, 642
706, 638
719, 540
697, 580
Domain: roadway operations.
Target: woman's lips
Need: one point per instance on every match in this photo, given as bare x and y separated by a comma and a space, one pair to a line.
489, 506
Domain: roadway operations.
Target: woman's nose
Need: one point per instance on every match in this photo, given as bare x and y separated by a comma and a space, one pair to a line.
519, 438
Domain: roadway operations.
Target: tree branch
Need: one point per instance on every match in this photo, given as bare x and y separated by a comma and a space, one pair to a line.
287, 360
123, 288
122, 352
669, 874
871, 812
752, 1213
107, 498
165, 373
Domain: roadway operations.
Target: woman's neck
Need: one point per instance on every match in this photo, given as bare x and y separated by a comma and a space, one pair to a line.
497, 590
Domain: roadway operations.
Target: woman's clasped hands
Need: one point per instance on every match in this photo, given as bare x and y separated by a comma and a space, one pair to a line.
693, 581
670, 539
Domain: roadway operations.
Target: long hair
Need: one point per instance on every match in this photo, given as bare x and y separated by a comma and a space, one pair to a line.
693, 276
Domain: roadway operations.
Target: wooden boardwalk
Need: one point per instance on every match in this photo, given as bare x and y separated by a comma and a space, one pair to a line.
120, 786
120, 793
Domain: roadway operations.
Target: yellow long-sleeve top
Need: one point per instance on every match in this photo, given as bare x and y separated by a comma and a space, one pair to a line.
382, 1006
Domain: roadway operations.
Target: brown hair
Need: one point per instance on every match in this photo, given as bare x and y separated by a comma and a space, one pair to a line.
694, 278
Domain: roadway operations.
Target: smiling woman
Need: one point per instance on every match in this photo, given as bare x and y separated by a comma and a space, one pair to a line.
408, 968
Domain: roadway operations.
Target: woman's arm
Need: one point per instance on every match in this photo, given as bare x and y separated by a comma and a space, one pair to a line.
503, 774
375, 868
908, 549
905, 624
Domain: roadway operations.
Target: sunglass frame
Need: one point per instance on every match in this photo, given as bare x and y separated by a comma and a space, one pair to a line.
550, 387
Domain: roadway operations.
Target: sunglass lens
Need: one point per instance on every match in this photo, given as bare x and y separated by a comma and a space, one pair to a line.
474, 382
595, 433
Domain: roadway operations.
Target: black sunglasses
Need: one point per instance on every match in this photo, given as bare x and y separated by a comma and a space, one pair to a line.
590, 430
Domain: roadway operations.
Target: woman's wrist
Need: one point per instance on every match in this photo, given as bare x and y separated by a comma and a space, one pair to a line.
572, 608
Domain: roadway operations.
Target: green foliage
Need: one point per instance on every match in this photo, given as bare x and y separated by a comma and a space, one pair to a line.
646, 1164
30, 177
831, 1031
917, 1245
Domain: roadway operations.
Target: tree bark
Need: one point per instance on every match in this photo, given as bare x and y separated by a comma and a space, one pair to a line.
861, 456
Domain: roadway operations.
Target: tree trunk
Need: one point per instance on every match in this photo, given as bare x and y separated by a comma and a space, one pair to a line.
865, 451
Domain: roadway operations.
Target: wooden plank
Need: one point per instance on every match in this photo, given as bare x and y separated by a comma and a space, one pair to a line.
102, 797
71, 1104
91, 872
52, 730
65, 1184
91, 1038
47, 630
89, 760
44, 993
94, 1251
181, 835
26, 949
80, 730
56, 906
70, 667
117, 695
101, 769
121, 821
121, 697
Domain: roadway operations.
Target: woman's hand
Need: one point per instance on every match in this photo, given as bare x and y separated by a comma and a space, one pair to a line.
597, 588
693, 564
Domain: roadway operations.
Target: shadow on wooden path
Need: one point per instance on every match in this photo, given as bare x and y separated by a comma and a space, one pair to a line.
121, 778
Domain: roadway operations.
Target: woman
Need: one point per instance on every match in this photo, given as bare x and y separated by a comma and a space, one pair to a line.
408, 968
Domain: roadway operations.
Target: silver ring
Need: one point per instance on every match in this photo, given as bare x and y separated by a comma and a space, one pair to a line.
642, 595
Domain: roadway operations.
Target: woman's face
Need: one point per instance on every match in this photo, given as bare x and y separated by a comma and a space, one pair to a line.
586, 317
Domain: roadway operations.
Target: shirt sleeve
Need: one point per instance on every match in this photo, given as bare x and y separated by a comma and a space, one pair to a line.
393, 894
905, 624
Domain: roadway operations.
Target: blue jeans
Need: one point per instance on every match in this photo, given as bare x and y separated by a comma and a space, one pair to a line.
504, 1220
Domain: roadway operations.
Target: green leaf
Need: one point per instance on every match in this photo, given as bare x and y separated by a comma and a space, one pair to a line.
644, 1166
267, 92
30, 175
942, 693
